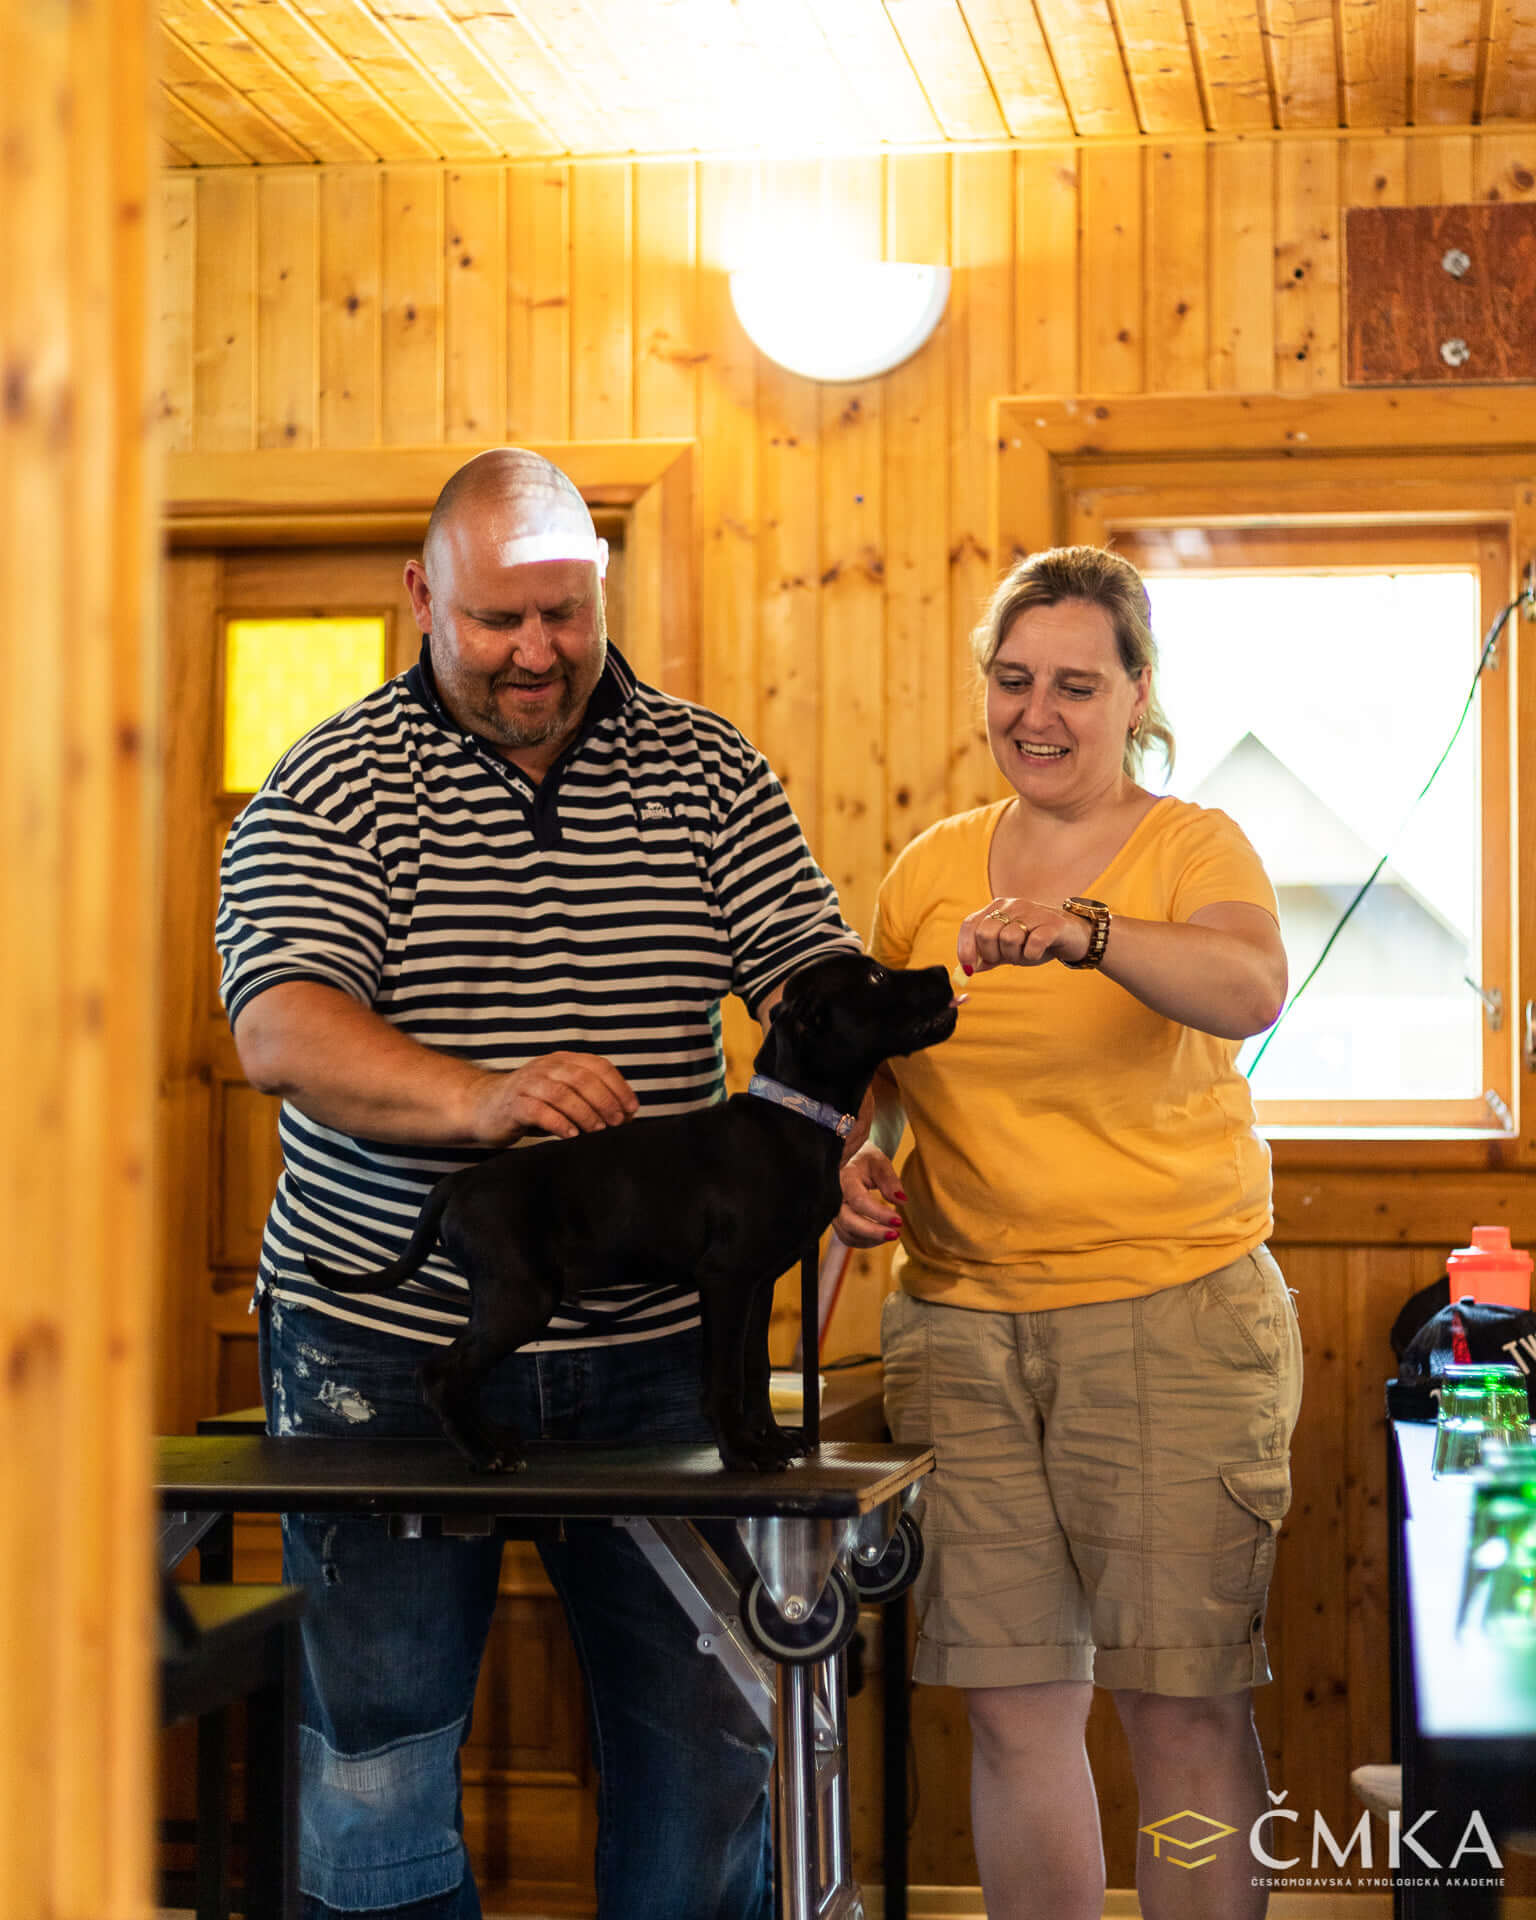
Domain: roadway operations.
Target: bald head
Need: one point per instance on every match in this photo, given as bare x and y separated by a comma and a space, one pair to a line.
509, 592
519, 500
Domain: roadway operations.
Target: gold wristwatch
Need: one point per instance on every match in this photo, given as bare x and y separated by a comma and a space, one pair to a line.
1097, 913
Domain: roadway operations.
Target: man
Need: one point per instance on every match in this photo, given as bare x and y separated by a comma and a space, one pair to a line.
501, 897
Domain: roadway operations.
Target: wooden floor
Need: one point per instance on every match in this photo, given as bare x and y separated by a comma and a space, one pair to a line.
965, 1903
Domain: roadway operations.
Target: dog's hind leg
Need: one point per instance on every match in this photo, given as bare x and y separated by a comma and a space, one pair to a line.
451, 1379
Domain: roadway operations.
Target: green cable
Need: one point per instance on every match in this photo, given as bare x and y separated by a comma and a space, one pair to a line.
1482, 660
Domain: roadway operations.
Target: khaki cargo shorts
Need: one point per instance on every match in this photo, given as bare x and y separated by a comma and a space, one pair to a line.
1109, 1484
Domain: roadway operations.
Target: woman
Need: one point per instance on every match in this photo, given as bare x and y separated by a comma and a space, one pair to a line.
1089, 1329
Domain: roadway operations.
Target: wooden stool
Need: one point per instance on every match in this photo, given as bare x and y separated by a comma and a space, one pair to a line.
223, 1644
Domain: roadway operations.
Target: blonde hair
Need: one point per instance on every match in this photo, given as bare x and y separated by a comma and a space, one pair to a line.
1100, 579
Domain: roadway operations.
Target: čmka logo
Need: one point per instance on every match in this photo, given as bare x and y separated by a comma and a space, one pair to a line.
1185, 1832
1178, 1837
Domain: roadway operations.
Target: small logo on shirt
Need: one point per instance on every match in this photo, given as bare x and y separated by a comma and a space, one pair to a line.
655, 810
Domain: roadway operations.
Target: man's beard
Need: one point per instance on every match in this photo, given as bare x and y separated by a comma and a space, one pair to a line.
507, 730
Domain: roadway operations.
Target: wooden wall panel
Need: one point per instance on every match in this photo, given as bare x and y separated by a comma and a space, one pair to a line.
474, 305
78, 814
982, 349
224, 316
538, 303
917, 669
843, 555
177, 285
853, 579
411, 286
728, 509
350, 336
1112, 356
1045, 260
1242, 190
1308, 247
667, 355
287, 290
602, 303
1177, 310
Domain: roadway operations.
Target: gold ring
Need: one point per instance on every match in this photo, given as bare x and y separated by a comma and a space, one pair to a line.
998, 914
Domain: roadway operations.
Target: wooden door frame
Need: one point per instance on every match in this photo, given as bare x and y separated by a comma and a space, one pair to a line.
301, 496
1388, 455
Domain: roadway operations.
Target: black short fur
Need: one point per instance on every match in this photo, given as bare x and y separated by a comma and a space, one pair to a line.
724, 1199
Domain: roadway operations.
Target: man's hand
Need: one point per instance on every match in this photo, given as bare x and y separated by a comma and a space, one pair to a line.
870, 1190
346, 1067
560, 1093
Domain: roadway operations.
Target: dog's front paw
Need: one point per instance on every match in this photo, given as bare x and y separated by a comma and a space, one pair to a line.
752, 1453
787, 1446
499, 1462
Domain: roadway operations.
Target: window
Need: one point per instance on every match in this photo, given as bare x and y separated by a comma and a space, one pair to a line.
282, 675
1313, 677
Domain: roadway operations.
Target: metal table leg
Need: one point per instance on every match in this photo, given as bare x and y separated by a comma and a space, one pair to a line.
804, 1704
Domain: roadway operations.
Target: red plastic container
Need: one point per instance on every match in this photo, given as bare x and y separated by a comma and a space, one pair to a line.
1491, 1270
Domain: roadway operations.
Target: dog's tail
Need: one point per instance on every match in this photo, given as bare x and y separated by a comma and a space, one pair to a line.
422, 1241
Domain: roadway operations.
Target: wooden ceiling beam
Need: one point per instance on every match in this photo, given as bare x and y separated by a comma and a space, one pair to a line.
1159, 60
207, 94
1013, 49
295, 43
937, 42
1085, 51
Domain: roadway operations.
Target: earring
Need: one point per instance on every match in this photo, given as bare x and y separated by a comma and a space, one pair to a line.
1135, 732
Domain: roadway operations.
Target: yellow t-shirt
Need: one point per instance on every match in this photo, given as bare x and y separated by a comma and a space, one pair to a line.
1071, 1145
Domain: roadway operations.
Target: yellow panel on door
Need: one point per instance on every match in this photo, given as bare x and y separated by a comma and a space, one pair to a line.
283, 676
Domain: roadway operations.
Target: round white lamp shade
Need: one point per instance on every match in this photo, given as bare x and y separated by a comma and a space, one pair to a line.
843, 320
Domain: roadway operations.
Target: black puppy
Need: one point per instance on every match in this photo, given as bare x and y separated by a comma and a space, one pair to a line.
724, 1199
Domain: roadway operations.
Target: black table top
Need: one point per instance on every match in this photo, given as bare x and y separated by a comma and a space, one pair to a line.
252, 1473
1471, 1690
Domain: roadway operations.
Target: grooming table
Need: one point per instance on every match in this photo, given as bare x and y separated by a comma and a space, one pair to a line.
831, 1529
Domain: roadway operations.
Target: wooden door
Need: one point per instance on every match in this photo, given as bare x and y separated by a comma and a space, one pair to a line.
528, 1808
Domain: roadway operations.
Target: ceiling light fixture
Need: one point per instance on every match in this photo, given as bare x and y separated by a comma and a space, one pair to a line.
839, 320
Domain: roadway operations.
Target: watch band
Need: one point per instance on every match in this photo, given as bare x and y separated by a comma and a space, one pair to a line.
1096, 912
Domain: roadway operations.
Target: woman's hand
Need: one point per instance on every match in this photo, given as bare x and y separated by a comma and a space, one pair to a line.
1021, 933
870, 1190
1221, 971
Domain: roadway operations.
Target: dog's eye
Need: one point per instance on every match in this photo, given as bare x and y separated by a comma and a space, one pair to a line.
875, 975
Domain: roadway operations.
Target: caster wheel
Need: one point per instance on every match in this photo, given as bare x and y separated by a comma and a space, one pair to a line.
825, 1630
897, 1567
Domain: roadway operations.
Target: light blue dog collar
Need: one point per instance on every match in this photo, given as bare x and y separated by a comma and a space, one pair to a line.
839, 1123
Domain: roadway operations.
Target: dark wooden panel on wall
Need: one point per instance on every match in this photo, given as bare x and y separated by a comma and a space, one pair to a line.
1441, 294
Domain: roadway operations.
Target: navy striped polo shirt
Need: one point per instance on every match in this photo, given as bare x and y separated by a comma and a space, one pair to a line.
656, 868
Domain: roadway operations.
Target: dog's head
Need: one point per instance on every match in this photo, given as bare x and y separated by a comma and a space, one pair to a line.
840, 1017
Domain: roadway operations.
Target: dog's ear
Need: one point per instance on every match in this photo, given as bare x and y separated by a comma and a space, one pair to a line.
791, 1017
766, 1059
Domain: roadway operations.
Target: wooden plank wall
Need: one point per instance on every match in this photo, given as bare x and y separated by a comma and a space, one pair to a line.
77, 889
842, 557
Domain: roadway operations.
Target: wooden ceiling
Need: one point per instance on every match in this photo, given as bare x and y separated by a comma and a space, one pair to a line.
274, 82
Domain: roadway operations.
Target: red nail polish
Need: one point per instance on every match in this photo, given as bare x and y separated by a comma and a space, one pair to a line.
893, 1233
899, 1194
969, 970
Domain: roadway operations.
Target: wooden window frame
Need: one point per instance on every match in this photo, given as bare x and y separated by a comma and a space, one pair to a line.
1073, 468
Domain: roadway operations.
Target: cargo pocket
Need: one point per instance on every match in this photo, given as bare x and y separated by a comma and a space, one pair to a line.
1245, 1546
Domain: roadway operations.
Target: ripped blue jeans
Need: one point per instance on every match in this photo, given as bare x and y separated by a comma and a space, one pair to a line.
394, 1631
